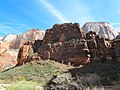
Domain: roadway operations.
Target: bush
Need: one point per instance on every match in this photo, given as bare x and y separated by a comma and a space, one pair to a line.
94, 74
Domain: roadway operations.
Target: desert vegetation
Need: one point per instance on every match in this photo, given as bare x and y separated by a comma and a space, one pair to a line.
53, 75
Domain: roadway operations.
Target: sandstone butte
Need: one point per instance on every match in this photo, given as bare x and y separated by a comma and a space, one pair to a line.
68, 43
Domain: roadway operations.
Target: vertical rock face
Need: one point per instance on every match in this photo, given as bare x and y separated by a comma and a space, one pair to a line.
103, 29
28, 36
23, 53
92, 44
65, 43
36, 45
26, 52
99, 47
116, 49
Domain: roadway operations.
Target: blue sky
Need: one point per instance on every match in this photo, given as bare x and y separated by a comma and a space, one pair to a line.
18, 16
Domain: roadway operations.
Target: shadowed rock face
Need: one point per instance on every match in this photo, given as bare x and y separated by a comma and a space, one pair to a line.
99, 47
28, 36
65, 43
116, 49
103, 29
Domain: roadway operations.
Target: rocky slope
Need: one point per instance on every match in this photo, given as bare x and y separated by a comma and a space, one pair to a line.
103, 29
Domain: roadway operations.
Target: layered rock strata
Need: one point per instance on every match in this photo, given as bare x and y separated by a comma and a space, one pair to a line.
65, 43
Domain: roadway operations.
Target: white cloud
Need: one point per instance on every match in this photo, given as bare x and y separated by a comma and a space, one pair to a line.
8, 27
74, 10
11, 23
115, 24
54, 11
77, 11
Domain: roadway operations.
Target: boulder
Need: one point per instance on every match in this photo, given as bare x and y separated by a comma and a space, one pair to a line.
65, 43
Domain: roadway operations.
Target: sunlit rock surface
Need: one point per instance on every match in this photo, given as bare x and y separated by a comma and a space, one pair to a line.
8, 57
103, 29
28, 36
9, 38
1, 37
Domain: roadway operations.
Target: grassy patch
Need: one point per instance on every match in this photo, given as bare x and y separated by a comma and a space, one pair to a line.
37, 72
25, 85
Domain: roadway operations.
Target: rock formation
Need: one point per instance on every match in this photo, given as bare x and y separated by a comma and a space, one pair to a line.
65, 43
36, 45
99, 47
116, 50
103, 29
26, 53
23, 53
10, 45
28, 36
1, 37
3, 47
8, 57
9, 38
